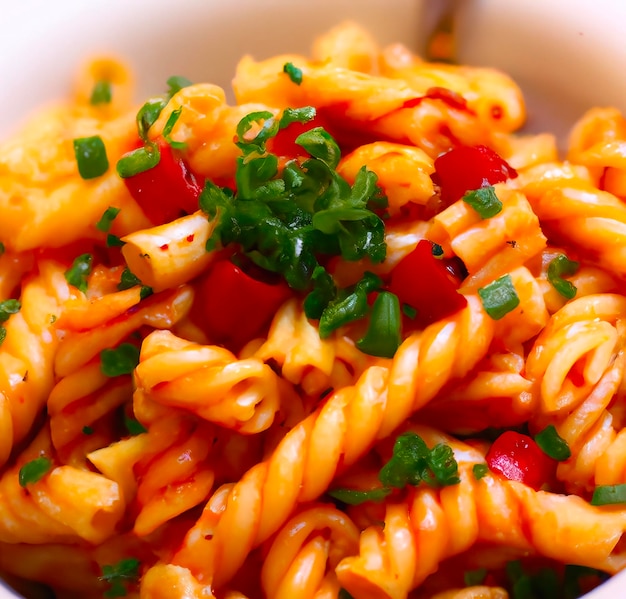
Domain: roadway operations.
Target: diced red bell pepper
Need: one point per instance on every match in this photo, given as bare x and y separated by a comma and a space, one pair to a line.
517, 457
167, 191
466, 168
425, 283
232, 307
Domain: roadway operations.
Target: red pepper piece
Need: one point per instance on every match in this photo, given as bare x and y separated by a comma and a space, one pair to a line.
517, 457
232, 307
166, 191
466, 168
426, 284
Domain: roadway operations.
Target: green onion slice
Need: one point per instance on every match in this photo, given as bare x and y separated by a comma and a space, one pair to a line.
91, 157
484, 201
167, 130
33, 471
552, 444
295, 74
139, 161
355, 497
499, 298
176, 83
559, 267
107, 218
80, 270
101, 93
609, 494
383, 337
480, 470
120, 360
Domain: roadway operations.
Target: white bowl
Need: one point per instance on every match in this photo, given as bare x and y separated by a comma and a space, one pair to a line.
568, 55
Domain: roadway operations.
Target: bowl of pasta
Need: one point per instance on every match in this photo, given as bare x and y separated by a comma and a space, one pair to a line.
312, 300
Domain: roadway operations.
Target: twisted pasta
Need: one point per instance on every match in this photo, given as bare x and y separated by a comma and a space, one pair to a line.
268, 352
431, 525
208, 381
338, 434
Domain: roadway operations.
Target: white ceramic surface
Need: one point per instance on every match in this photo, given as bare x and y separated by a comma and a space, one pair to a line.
567, 54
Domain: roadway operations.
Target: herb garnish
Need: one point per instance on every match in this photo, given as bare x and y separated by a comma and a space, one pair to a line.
91, 157
285, 221
412, 463
107, 218
118, 575
118, 361
484, 201
499, 297
33, 471
295, 74
559, 267
101, 93
80, 270
552, 444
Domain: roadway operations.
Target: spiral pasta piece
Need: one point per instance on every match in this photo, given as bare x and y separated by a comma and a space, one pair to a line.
159, 311
489, 247
573, 210
303, 555
575, 349
26, 355
66, 505
403, 171
431, 525
208, 381
338, 434
598, 141
294, 345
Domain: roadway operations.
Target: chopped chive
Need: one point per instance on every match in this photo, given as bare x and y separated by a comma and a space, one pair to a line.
552, 444
77, 274
295, 74
113, 241
480, 470
138, 161
559, 267
382, 338
128, 280
409, 311
609, 494
101, 93
145, 292
356, 497
175, 83
484, 201
120, 360
33, 471
147, 116
2, 248
91, 157
133, 426
167, 130
3, 334
499, 298
107, 218
87, 430
437, 250
297, 115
